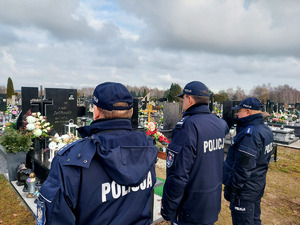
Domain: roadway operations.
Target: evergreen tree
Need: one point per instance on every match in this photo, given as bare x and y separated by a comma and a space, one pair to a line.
144, 93
10, 91
175, 89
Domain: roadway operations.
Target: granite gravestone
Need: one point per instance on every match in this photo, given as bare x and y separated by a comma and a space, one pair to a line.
29, 93
172, 114
280, 107
269, 106
275, 107
3, 102
62, 109
228, 113
211, 108
135, 115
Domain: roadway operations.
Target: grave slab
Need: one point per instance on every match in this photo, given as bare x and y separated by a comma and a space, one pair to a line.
284, 135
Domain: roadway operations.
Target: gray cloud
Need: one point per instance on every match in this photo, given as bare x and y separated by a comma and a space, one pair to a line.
224, 27
225, 44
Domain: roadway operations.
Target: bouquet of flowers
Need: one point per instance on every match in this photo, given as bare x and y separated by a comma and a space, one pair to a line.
159, 137
36, 125
12, 109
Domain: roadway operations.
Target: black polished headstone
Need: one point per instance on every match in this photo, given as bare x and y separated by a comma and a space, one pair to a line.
29, 93
80, 111
275, 107
272, 107
211, 103
63, 108
297, 106
280, 107
3, 102
135, 115
228, 113
145, 103
268, 106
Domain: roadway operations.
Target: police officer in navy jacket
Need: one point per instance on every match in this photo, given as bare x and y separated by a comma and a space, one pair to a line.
247, 162
193, 188
107, 176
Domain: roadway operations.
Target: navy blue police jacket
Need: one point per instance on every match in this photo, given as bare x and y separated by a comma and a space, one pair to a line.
104, 178
193, 188
246, 164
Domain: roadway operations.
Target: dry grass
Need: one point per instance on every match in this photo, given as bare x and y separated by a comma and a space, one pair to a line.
281, 201
13, 211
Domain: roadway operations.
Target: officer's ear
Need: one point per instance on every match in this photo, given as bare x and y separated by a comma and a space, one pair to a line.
191, 100
249, 112
97, 114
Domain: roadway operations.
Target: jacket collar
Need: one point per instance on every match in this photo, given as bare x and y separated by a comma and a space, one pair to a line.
196, 109
250, 120
104, 124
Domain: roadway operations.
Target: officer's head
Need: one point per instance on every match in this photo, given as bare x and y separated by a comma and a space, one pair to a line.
248, 106
112, 100
193, 93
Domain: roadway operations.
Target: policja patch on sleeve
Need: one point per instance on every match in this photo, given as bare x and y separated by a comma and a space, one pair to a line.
170, 159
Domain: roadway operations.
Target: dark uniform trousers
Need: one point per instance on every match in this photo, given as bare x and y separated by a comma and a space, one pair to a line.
245, 212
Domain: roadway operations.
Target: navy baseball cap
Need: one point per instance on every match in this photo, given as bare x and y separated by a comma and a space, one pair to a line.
195, 88
249, 103
109, 93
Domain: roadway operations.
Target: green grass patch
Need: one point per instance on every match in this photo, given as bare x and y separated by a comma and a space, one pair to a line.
159, 190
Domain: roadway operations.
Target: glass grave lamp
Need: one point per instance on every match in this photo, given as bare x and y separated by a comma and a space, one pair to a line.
71, 128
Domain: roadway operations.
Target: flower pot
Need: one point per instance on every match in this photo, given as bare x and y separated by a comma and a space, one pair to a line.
13, 161
162, 155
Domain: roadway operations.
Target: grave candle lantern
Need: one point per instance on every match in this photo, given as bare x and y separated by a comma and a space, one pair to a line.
71, 128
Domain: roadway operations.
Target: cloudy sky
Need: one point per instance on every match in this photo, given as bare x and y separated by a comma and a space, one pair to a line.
223, 43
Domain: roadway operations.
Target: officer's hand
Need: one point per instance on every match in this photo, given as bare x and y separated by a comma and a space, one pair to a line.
229, 193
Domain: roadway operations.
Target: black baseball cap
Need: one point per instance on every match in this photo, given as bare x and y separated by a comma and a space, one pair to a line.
109, 93
249, 103
195, 88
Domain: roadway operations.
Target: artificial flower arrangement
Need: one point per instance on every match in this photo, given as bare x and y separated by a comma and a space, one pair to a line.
217, 112
279, 118
152, 131
36, 125
57, 142
12, 109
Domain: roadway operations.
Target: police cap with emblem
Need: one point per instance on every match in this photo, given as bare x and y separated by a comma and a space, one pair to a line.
195, 88
249, 103
109, 93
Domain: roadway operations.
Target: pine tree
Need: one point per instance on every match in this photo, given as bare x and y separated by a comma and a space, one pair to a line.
10, 91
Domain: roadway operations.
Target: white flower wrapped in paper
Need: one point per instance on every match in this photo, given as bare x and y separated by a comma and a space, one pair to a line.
60, 145
30, 126
151, 126
37, 132
30, 119
52, 145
